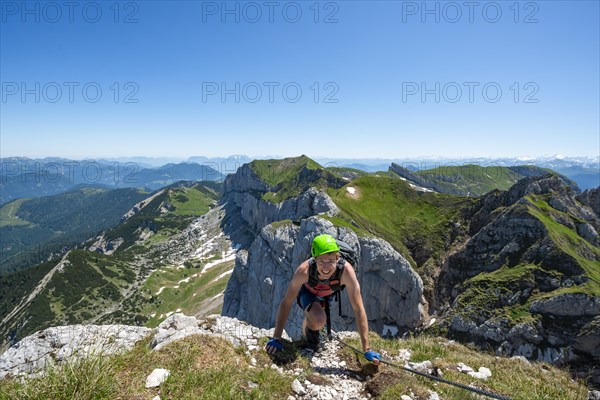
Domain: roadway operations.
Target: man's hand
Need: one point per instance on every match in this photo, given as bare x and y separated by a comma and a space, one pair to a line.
373, 356
273, 346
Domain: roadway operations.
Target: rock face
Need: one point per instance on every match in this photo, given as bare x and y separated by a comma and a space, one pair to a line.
57, 344
420, 180
179, 326
568, 305
392, 291
275, 238
591, 198
247, 213
521, 283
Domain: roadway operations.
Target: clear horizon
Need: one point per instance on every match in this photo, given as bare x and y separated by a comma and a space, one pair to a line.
423, 157
381, 79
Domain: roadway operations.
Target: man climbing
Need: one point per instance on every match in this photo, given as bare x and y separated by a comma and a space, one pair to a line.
313, 282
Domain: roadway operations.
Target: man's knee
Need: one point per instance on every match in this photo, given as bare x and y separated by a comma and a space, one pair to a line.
316, 317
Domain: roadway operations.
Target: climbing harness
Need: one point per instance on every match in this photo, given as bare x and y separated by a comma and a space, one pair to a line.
433, 377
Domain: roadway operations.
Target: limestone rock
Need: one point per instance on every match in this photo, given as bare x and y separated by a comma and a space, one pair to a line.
247, 213
298, 388
157, 377
513, 229
568, 305
175, 327
54, 345
392, 290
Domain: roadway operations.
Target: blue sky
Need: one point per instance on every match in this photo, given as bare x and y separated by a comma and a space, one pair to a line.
387, 79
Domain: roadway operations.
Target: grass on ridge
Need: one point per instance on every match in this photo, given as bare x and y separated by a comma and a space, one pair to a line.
390, 209
571, 243
510, 377
201, 367
188, 295
206, 367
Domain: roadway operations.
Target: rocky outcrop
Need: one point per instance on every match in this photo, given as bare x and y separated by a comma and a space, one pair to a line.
561, 196
542, 230
179, 326
105, 246
332, 373
591, 198
504, 231
275, 239
332, 377
247, 213
502, 241
392, 291
588, 339
573, 305
421, 181
203, 238
56, 345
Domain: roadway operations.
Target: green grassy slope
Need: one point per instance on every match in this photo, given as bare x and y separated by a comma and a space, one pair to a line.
569, 242
418, 224
474, 180
32, 229
488, 295
167, 213
94, 287
188, 290
289, 177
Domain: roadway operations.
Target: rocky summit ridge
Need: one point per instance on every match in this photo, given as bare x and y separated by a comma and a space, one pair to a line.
331, 373
59, 345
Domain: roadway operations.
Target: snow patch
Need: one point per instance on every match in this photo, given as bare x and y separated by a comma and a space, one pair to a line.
225, 256
224, 274
420, 188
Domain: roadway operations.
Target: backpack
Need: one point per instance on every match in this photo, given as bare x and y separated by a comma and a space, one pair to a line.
347, 253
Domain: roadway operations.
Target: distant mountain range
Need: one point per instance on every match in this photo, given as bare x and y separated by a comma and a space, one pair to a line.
28, 178
22, 177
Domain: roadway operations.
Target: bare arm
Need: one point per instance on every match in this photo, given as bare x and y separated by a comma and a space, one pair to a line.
353, 288
300, 277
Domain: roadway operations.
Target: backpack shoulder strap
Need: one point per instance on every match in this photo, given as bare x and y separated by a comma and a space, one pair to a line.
313, 273
335, 280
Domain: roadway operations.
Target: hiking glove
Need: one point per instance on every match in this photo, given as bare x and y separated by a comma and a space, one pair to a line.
273, 346
371, 355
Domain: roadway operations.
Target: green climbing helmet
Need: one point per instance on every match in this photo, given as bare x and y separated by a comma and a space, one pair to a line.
324, 244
